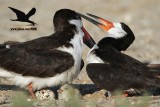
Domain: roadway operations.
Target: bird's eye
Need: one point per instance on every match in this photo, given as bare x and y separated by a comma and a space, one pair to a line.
78, 17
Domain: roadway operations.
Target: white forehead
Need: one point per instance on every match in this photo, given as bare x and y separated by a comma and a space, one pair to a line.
117, 31
77, 23
117, 25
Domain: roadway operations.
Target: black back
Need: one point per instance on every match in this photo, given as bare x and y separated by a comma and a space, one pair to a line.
119, 71
41, 57
38, 57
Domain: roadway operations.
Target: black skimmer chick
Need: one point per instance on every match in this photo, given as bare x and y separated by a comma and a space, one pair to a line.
47, 61
110, 69
22, 17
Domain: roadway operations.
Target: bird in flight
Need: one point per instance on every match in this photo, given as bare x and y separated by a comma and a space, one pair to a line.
22, 17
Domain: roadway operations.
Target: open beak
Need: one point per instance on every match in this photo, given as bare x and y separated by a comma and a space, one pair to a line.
102, 23
87, 39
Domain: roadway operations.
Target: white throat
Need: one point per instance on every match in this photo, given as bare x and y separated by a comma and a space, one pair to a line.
92, 58
76, 52
77, 23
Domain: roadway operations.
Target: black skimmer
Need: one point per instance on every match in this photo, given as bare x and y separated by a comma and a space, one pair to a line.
22, 17
47, 61
110, 69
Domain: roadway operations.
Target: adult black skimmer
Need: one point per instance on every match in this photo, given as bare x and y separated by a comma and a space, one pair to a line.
47, 61
22, 17
110, 69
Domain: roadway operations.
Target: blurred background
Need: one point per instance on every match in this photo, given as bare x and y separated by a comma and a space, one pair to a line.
142, 16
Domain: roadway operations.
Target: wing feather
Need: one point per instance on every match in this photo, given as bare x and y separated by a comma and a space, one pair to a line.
18, 12
38, 62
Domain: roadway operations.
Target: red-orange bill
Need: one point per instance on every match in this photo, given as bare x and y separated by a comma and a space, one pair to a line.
102, 23
87, 39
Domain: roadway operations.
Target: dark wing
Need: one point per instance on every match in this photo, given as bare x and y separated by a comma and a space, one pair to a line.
39, 57
56, 40
38, 62
155, 69
120, 71
118, 59
18, 12
31, 12
113, 77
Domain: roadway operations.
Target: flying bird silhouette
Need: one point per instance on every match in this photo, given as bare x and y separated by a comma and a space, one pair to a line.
22, 17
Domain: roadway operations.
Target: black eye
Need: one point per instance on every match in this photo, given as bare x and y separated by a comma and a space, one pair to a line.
78, 17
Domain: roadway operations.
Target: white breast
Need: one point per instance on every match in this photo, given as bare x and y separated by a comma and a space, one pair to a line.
76, 52
92, 58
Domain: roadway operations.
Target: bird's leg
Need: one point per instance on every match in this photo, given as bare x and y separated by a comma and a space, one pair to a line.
124, 94
30, 89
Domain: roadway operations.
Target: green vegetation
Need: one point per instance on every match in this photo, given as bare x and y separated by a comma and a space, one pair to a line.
20, 99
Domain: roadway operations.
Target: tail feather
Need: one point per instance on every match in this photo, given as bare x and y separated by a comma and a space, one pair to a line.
156, 82
155, 69
152, 81
154, 66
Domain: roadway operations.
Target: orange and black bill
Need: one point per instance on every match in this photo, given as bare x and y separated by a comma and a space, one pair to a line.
90, 20
102, 23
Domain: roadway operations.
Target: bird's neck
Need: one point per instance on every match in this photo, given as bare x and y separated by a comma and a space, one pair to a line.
121, 44
107, 42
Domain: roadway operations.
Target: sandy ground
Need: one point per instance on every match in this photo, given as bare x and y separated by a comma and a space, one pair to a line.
141, 15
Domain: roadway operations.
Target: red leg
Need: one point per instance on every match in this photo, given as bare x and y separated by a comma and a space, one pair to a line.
30, 89
124, 94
